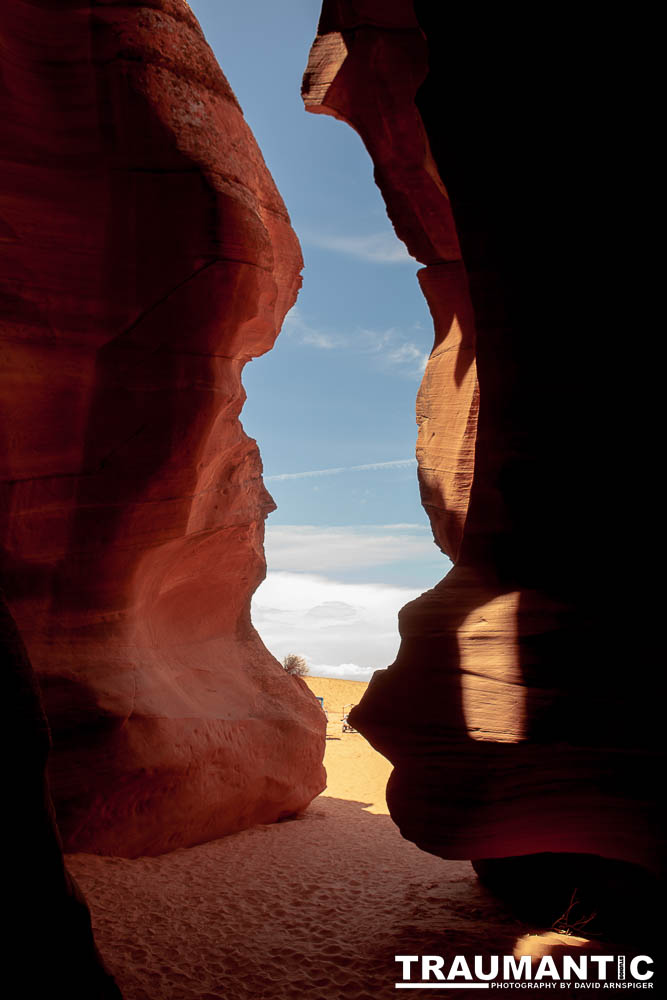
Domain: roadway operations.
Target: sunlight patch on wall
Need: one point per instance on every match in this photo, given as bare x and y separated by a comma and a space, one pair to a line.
491, 682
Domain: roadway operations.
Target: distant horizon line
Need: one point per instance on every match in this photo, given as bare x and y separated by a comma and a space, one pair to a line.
345, 680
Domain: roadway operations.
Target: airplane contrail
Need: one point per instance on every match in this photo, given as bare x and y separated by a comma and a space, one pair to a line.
370, 467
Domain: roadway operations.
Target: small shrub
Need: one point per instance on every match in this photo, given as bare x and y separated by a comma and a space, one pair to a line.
296, 665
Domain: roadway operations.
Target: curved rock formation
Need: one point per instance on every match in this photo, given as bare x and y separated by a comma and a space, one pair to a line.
146, 256
365, 67
512, 713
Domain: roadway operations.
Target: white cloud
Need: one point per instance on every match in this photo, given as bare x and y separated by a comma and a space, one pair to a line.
392, 350
317, 339
295, 325
369, 467
382, 247
324, 550
342, 627
388, 350
343, 671
349, 629
408, 355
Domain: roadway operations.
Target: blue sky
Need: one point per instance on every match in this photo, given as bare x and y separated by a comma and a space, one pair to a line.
333, 405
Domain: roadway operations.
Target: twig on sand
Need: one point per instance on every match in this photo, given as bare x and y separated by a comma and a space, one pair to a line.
566, 925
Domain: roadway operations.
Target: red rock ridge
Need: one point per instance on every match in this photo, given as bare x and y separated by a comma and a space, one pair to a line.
511, 713
146, 256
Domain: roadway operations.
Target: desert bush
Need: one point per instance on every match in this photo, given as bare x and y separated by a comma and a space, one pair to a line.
296, 665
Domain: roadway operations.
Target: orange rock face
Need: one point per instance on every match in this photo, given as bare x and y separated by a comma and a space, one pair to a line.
146, 256
365, 67
512, 714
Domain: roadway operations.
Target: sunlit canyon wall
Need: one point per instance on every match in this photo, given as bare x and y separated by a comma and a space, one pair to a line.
146, 257
520, 713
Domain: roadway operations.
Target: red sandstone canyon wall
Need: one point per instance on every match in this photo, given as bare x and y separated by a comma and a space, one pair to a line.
146, 257
520, 714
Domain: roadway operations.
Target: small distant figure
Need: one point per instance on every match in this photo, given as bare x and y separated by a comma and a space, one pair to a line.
346, 727
295, 665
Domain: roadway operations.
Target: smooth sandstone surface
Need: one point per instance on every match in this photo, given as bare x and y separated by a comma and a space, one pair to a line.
146, 256
520, 713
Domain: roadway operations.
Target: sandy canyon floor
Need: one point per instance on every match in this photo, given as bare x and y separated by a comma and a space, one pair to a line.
316, 907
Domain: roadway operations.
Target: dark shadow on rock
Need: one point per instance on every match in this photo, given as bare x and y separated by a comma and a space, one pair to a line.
48, 939
591, 895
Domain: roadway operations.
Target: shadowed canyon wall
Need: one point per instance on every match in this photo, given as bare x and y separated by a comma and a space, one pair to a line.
146, 257
520, 713
49, 946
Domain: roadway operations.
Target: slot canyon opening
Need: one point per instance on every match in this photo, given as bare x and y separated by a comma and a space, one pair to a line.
332, 404
504, 605
518, 604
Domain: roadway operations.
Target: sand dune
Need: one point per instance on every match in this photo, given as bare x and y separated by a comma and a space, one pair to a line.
336, 693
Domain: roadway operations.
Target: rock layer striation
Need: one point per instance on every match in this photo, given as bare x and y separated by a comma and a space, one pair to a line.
146, 257
519, 712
